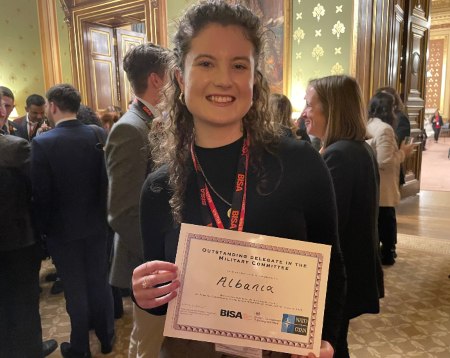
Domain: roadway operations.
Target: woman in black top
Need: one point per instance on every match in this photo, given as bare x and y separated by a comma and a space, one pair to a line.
217, 102
335, 110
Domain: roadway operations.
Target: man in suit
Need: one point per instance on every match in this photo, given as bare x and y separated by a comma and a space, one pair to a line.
69, 189
8, 101
20, 256
127, 160
27, 126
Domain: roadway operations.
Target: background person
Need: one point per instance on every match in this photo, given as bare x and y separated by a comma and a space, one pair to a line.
115, 109
335, 104
20, 254
217, 103
282, 114
436, 123
86, 115
8, 102
128, 162
403, 128
380, 128
69, 192
27, 126
108, 119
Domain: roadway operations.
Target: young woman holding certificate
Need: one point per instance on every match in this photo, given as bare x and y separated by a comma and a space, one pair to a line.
221, 156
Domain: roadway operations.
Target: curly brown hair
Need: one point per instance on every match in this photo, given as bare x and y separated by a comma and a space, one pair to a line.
172, 149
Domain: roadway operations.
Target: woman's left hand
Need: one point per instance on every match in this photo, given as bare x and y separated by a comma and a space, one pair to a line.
326, 351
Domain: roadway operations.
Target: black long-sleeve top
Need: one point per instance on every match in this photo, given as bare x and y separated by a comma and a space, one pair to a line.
296, 201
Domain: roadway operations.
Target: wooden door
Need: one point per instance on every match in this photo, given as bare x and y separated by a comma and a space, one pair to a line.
413, 81
126, 40
396, 45
100, 64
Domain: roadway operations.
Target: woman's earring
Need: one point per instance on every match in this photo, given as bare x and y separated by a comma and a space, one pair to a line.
181, 98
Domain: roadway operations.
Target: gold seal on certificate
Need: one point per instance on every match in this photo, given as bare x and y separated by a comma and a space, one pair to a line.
249, 290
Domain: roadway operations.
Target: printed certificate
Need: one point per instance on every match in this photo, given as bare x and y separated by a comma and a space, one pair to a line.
249, 290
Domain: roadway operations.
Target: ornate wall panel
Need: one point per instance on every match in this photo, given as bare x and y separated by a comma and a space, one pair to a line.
322, 42
435, 66
380, 46
413, 85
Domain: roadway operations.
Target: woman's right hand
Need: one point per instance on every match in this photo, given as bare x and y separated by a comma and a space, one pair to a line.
151, 274
407, 148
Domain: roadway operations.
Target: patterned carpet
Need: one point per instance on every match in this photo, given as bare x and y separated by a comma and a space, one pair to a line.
415, 314
415, 318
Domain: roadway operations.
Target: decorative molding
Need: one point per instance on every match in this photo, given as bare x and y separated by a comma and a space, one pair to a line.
66, 13
356, 31
436, 65
84, 11
48, 26
287, 49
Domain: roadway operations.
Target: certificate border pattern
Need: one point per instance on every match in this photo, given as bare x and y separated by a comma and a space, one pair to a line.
257, 338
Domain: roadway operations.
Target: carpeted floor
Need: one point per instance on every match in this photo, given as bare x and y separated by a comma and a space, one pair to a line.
436, 165
414, 319
415, 314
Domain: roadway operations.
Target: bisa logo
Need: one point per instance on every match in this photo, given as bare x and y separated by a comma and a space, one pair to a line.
231, 314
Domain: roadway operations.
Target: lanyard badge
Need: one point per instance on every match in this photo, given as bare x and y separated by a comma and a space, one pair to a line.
237, 209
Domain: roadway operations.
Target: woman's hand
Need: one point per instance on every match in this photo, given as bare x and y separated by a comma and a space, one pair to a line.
407, 148
151, 274
326, 351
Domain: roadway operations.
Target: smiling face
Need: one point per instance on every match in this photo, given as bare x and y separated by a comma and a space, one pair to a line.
218, 78
315, 120
36, 113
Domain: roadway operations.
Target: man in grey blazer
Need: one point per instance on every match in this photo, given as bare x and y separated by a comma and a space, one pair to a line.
128, 161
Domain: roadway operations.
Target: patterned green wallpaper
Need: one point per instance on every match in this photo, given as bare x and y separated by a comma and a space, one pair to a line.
20, 62
322, 33
64, 48
321, 40
174, 10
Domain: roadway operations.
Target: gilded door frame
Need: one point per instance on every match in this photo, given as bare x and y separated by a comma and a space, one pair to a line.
155, 23
48, 31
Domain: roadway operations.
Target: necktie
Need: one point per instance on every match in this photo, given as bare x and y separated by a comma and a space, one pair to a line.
31, 127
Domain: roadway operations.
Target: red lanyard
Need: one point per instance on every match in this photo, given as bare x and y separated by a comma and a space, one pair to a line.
239, 196
147, 110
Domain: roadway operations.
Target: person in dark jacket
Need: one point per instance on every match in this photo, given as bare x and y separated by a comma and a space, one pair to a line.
20, 255
69, 192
